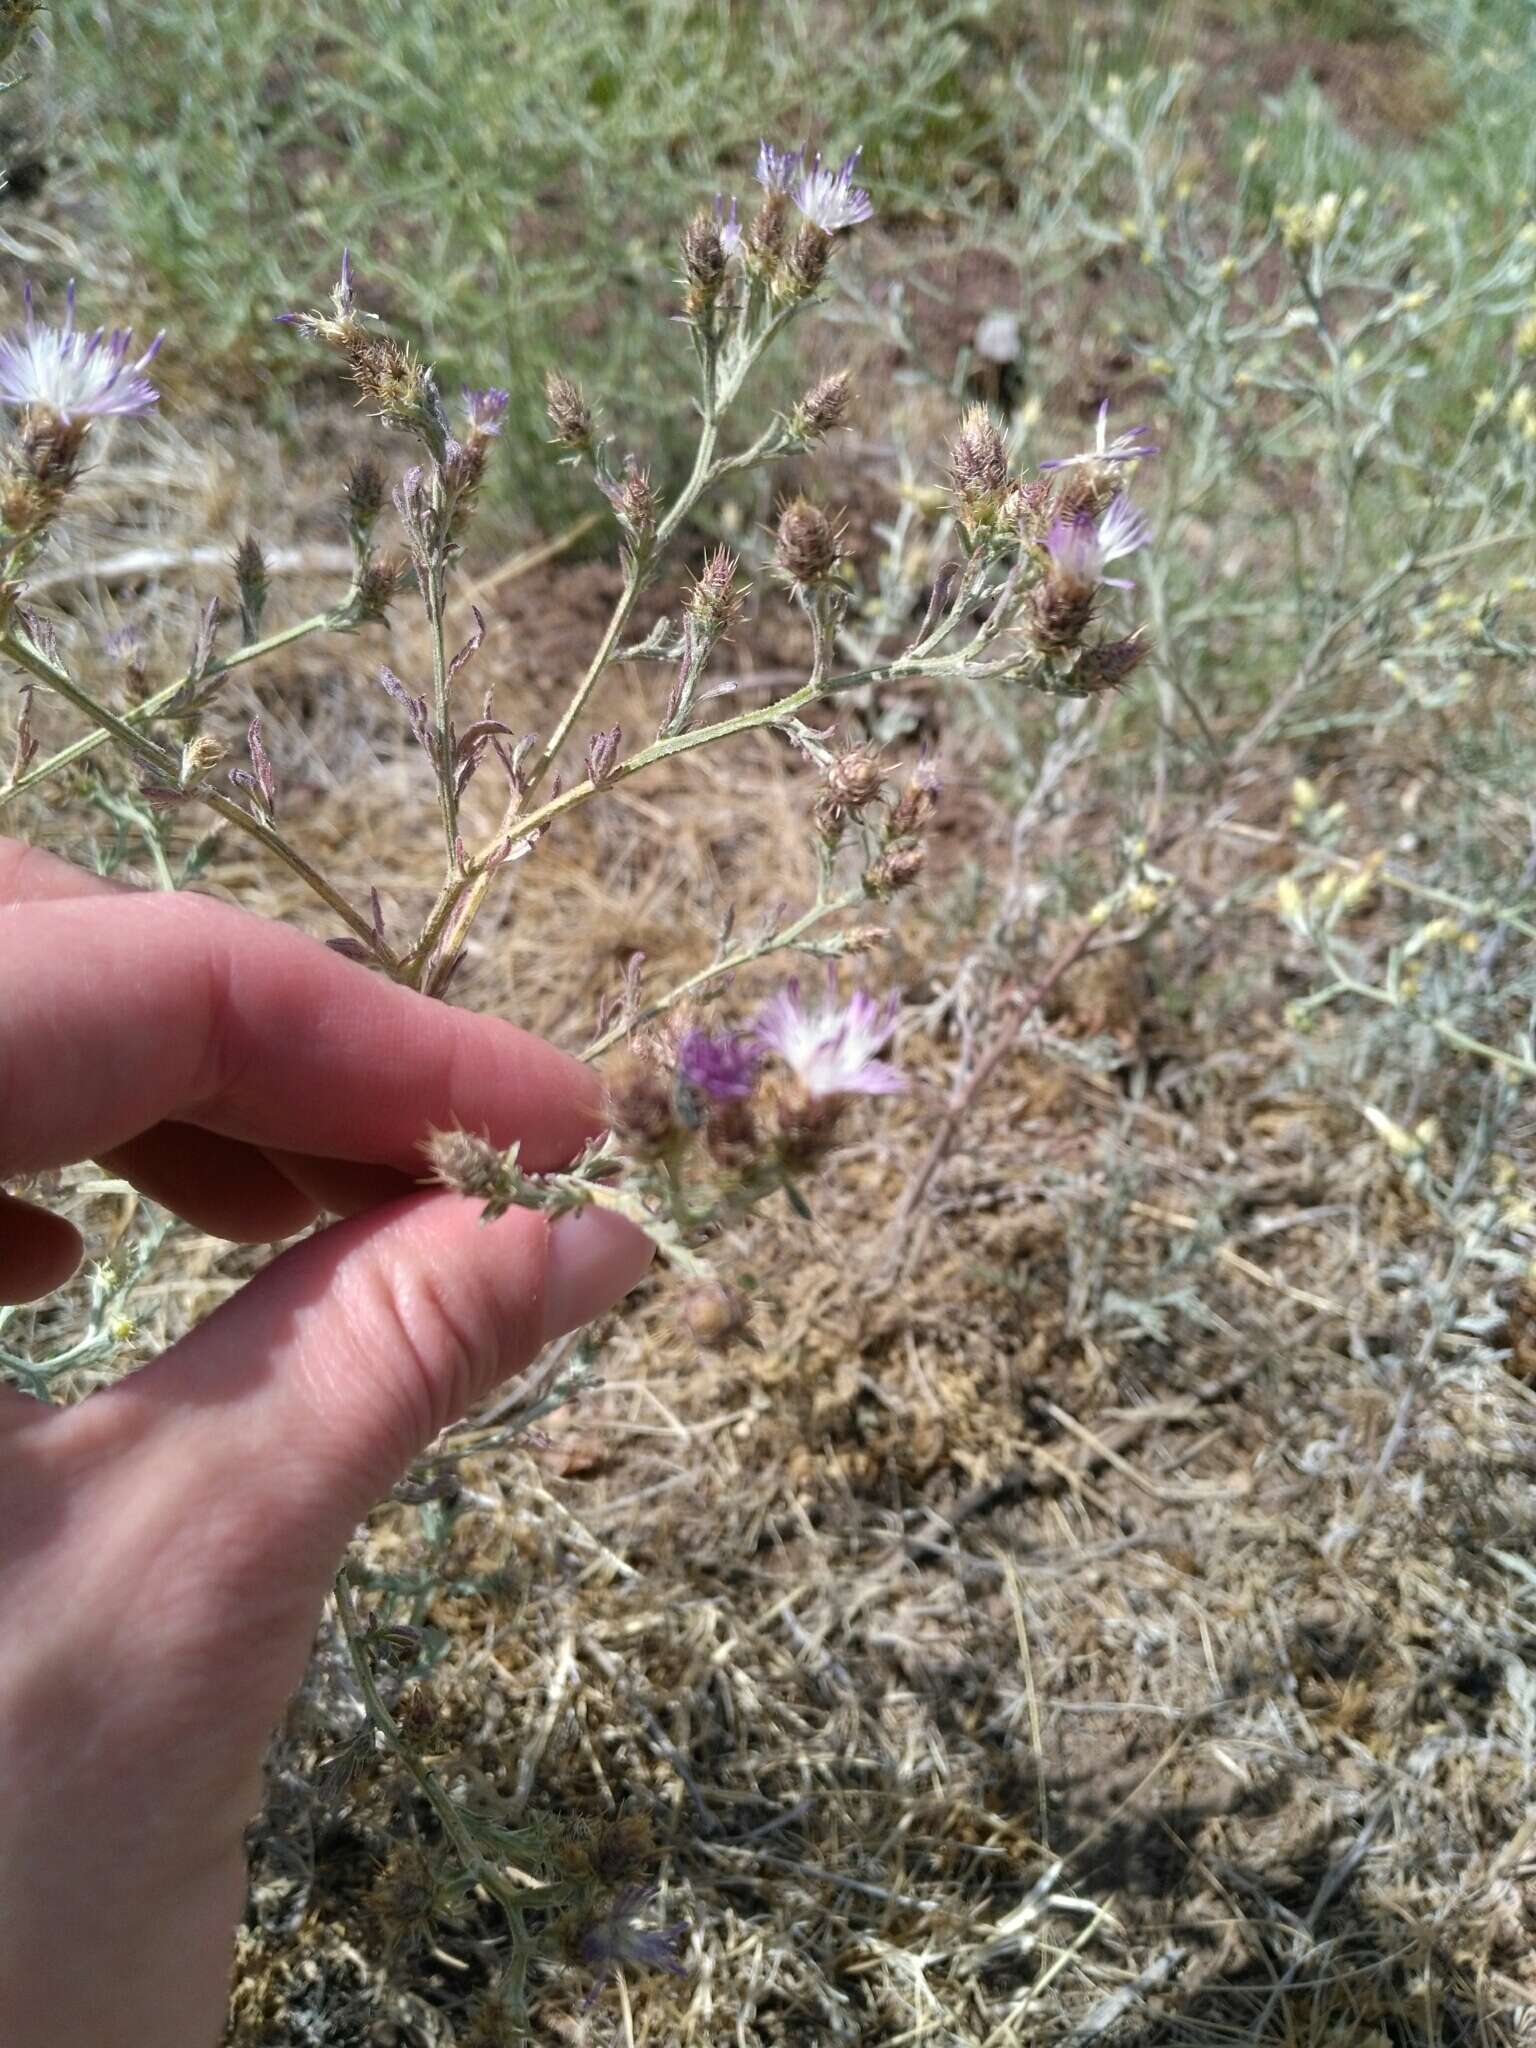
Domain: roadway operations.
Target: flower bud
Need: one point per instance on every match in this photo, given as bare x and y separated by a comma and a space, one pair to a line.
713, 602
807, 543
569, 413
730, 1133
765, 236
806, 264
365, 500
978, 464
602, 753
703, 260
250, 567
824, 407
471, 1165
804, 1125
916, 805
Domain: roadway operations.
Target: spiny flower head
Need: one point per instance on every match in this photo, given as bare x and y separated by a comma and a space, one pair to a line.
831, 1049
723, 1067
829, 199
1081, 549
1128, 446
76, 375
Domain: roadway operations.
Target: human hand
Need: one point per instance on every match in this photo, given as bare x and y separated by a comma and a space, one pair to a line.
166, 1546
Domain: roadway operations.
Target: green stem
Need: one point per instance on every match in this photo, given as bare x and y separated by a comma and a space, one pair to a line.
435, 598
165, 764
149, 708
779, 942
476, 1868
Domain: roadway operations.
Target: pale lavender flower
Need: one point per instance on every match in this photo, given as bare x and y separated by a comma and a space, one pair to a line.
608, 1944
831, 1051
1127, 446
486, 409
724, 1067
728, 220
777, 169
77, 375
830, 199
1081, 550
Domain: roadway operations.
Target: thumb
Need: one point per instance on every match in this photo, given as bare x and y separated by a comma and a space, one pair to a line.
297, 1404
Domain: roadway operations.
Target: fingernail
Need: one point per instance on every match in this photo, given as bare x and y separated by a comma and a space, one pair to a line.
595, 1258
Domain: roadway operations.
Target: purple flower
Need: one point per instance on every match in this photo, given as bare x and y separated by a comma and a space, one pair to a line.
608, 1944
486, 410
1127, 446
77, 375
1081, 550
728, 221
830, 199
777, 169
724, 1067
831, 1051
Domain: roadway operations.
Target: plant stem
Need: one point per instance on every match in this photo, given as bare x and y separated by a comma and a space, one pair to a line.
434, 597
149, 708
165, 764
778, 942
452, 1821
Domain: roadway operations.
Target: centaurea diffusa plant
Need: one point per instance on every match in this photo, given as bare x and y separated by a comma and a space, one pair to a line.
707, 1119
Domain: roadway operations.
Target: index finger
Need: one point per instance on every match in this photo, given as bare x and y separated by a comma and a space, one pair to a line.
117, 1012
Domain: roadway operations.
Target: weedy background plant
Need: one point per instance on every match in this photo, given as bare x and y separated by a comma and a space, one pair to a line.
1074, 1582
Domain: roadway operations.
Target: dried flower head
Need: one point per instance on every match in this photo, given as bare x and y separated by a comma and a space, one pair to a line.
807, 546
473, 1166
855, 777
1106, 666
831, 1050
917, 803
70, 373
250, 569
897, 868
365, 499
713, 1314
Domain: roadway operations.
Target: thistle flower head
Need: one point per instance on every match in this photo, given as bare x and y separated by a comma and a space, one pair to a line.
824, 407
1128, 446
1081, 549
76, 375
777, 169
486, 410
714, 599
831, 1050
613, 1941
830, 199
720, 1065
339, 325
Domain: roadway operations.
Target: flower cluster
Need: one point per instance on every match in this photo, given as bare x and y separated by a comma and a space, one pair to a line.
1052, 538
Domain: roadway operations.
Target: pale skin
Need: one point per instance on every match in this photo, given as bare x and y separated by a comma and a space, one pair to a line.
166, 1545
